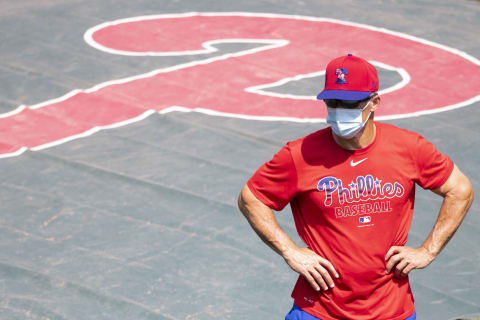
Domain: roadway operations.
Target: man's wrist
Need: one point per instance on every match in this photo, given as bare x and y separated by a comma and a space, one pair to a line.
288, 251
430, 251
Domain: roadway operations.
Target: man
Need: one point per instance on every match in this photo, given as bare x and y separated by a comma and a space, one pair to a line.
351, 188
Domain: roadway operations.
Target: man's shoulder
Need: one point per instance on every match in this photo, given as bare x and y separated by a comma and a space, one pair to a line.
309, 149
321, 136
396, 133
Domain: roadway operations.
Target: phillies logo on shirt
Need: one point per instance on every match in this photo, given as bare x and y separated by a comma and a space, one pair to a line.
353, 200
341, 75
364, 188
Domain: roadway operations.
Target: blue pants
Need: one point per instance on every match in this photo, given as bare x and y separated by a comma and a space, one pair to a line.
298, 314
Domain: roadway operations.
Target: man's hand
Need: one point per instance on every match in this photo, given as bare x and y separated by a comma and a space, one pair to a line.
402, 260
317, 270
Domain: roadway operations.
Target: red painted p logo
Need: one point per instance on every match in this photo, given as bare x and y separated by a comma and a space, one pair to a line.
434, 78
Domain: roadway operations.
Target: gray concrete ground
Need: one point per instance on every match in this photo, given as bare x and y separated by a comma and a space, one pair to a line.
140, 222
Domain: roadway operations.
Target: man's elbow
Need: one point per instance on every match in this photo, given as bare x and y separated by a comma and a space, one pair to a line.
242, 201
469, 192
463, 191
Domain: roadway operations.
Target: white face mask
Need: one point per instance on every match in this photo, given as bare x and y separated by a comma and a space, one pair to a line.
346, 123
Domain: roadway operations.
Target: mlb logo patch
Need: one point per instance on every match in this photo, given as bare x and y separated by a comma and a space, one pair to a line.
341, 75
365, 219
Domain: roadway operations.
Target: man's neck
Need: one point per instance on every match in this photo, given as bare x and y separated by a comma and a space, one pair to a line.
362, 140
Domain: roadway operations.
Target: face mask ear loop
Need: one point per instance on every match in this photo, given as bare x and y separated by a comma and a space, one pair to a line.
363, 123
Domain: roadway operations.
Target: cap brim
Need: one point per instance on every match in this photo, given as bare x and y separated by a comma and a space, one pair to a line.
343, 95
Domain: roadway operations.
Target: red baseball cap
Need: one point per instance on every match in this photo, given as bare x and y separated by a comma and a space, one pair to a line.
349, 78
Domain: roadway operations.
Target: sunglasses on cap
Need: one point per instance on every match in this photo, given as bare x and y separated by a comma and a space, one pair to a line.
347, 104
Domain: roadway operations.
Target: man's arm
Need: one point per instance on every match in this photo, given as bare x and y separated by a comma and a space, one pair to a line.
457, 193
304, 261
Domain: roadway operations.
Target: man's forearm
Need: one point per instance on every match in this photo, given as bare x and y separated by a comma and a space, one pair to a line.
318, 271
452, 212
457, 193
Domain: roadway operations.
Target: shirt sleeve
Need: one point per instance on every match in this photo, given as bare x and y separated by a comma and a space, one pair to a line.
275, 182
433, 167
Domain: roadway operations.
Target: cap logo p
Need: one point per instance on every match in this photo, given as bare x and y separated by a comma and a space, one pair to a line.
341, 75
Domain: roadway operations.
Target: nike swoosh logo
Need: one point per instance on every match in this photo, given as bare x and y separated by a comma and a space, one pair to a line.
353, 164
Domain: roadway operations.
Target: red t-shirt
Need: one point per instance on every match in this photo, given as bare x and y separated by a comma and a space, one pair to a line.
350, 207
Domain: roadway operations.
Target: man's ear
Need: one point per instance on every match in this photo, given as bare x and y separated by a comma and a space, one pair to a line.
375, 103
